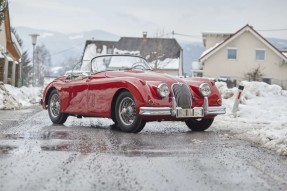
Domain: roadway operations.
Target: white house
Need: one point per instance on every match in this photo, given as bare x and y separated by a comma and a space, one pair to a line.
95, 48
10, 52
237, 54
163, 54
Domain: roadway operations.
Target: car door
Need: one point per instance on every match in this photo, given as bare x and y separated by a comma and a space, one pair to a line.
78, 89
99, 93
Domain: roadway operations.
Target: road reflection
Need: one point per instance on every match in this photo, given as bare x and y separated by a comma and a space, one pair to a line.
106, 140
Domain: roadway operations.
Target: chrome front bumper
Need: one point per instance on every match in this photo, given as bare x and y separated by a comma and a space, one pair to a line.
183, 113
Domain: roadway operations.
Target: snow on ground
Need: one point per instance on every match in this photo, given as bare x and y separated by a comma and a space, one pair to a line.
262, 115
17, 98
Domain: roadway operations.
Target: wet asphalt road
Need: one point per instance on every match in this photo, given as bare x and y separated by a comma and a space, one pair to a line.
88, 155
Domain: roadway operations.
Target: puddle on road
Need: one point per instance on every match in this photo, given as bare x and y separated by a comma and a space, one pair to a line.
46, 135
88, 140
6, 149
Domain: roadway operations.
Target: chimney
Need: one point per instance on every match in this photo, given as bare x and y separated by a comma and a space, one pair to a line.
144, 35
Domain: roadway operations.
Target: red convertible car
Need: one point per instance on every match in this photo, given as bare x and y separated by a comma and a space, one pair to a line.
125, 89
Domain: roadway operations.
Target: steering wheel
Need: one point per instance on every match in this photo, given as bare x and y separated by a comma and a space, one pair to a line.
138, 65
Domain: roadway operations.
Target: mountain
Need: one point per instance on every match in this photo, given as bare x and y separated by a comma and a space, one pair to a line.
191, 52
278, 43
62, 46
66, 46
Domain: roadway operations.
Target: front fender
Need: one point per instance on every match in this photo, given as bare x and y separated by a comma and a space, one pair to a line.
215, 96
56, 84
143, 92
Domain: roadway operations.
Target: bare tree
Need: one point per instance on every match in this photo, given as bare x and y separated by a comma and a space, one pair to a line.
255, 74
158, 48
69, 64
42, 63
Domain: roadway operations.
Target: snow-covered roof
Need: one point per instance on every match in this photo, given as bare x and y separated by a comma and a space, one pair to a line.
168, 63
135, 52
217, 33
166, 52
160, 47
210, 49
16, 44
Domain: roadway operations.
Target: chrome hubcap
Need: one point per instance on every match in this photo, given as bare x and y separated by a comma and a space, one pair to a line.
127, 111
55, 106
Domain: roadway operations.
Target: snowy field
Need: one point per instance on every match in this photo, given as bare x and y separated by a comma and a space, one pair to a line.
261, 118
262, 115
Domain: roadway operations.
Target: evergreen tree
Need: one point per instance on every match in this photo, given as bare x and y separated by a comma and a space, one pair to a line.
26, 69
3, 4
25, 65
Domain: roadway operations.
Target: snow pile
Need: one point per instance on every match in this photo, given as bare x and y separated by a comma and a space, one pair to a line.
7, 101
16, 98
262, 115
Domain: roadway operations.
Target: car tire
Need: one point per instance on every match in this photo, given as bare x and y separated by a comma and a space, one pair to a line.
199, 124
126, 117
54, 108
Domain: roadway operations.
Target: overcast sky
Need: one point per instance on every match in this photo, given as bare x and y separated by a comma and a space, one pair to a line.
132, 17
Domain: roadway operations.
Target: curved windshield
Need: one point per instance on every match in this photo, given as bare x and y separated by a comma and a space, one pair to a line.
118, 62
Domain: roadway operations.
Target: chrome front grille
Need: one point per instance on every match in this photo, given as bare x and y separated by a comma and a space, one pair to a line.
182, 95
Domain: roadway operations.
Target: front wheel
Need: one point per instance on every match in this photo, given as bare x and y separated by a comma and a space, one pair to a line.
126, 117
54, 108
199, 124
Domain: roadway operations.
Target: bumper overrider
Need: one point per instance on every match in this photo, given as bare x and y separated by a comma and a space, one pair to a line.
179, 112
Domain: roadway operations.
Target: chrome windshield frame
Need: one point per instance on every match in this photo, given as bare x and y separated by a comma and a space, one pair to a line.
148, 67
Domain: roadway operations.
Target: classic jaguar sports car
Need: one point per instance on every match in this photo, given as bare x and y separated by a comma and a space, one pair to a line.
125, 89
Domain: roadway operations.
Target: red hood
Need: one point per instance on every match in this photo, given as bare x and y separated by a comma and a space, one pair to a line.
144, 75
154, 76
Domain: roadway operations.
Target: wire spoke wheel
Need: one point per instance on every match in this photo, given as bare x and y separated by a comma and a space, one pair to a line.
55, 105
127, 111
126, 116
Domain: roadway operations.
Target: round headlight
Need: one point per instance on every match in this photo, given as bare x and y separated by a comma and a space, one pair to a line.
204, 89
163, 90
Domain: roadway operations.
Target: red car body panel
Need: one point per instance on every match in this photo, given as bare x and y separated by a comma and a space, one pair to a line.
95, 95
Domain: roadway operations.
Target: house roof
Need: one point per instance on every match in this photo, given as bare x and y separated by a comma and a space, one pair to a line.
249, 28
11, 43
162, 52
100, 43
162, 47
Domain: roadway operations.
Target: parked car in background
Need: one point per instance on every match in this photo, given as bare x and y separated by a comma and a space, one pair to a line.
125, 89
